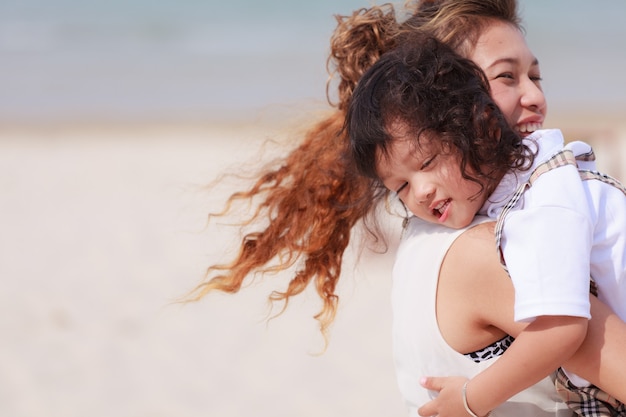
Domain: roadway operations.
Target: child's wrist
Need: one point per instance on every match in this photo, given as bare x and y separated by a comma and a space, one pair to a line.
468, 409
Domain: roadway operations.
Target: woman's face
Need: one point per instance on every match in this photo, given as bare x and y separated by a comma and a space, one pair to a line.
514, 76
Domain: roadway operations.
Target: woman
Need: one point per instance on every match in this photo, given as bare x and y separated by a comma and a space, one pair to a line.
422, 123
314, 198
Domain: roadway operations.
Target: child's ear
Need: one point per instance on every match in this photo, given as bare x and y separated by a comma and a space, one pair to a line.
497, 133
490, 126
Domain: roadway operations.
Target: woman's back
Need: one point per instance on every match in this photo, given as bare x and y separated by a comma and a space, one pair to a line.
419, 347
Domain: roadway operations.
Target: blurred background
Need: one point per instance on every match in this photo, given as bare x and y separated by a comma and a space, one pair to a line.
114, 115
198, 61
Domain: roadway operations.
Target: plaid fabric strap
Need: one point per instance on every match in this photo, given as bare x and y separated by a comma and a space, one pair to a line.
595, 175
564, 157
500, 222
588, 401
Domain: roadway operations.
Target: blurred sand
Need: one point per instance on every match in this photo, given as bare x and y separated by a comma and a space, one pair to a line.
101, 229
103, 226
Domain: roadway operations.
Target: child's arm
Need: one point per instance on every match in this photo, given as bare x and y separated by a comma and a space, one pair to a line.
600, 360
536, 352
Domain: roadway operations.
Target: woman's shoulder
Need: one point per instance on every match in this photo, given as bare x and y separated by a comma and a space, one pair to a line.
428, 243
420, 230
473, 258
475, 286
478, 236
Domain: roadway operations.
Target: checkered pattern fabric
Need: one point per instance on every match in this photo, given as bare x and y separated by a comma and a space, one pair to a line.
588, 401
595, 175
564, 157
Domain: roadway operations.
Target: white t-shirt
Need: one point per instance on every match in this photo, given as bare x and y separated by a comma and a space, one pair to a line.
562, 231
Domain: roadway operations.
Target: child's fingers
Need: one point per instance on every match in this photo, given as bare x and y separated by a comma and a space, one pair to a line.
432, 383
428, 409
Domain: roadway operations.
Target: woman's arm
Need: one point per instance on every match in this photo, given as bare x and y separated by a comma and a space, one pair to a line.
601, 358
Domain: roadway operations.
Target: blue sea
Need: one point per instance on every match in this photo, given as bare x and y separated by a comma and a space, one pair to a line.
199, 60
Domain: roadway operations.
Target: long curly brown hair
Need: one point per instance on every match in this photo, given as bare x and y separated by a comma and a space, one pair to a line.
307, 207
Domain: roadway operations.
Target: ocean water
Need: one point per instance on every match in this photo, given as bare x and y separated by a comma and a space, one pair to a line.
73, 60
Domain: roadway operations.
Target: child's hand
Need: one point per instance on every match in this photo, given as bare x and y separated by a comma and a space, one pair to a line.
449, 402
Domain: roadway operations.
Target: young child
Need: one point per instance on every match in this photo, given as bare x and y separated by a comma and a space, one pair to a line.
423, 125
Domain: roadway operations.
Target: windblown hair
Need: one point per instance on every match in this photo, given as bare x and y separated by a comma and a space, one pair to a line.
459, 24
437, 97
311, 204
314, 199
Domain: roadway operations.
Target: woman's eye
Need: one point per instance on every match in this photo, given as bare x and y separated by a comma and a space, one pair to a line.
505, 75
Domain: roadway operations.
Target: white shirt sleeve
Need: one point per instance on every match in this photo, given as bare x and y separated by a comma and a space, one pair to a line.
546, 244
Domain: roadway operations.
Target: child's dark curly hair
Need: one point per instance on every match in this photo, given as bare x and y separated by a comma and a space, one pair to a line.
433, 93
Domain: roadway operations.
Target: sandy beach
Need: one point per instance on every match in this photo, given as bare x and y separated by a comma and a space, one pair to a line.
104, 226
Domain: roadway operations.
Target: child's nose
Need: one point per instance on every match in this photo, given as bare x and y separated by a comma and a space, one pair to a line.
424, 193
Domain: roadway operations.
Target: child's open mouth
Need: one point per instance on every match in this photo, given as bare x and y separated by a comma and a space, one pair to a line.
441, 208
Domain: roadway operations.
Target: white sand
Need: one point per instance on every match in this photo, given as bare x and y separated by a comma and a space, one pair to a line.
101, 228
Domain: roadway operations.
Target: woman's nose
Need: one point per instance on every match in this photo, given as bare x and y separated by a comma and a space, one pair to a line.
532, 96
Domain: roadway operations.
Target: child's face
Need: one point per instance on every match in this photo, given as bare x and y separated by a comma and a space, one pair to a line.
429, 182
514, 76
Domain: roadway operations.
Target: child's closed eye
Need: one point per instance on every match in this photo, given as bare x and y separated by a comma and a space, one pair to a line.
428, 162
